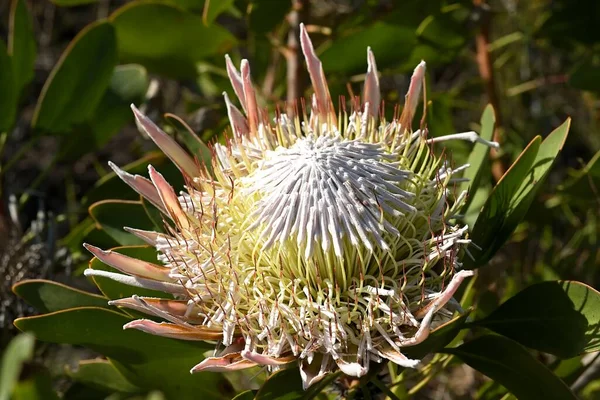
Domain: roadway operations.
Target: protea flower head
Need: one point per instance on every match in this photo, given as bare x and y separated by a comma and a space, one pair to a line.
328, 239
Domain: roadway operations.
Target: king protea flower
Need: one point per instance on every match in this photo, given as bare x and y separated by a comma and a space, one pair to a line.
327, 239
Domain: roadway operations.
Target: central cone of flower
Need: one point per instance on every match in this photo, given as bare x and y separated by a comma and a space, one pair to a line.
331, 239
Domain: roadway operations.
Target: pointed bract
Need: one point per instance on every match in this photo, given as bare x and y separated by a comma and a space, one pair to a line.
167, 144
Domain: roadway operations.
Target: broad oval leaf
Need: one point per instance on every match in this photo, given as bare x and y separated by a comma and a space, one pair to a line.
102, 375
128, 84
48, 296
509, 364
112, 215
390, 43
558, 317
167, 39
287, 385
78, 81
142, 358
21, 44
514, 193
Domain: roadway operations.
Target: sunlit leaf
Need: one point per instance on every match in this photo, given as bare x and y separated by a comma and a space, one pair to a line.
479, 154
142, 358
561, 318
48, 296
390, 43
510, 200
112, 215
166, 39
509, 364
78, 81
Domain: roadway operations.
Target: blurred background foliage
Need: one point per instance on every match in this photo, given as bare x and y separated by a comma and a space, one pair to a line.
70, 68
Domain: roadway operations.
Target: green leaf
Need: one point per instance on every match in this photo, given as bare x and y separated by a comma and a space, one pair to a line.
128, 84
47, 296
246, 395
145, 360
479, 154
586, 75
102, 375
112, 215
582, 183
115, 290
438, 338
167, 39
214, 8
21, 45
282, 385
265, 15
71, 3
287, 385
38, 387
509, 364
19, 350
110, 186
560, 317
8, 97
514, 193
77, 83
446, 28
390, 44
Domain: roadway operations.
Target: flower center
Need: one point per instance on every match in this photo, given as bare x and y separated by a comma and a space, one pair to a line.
328, 192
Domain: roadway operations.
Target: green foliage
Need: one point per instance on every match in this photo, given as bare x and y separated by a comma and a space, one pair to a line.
77, 83
48, 296
102, 375
18, 351
561, 318
141, 358
512, 366
21, 45
166, 39
479, 154
509, 201
111, 63
112, 215
8, 100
